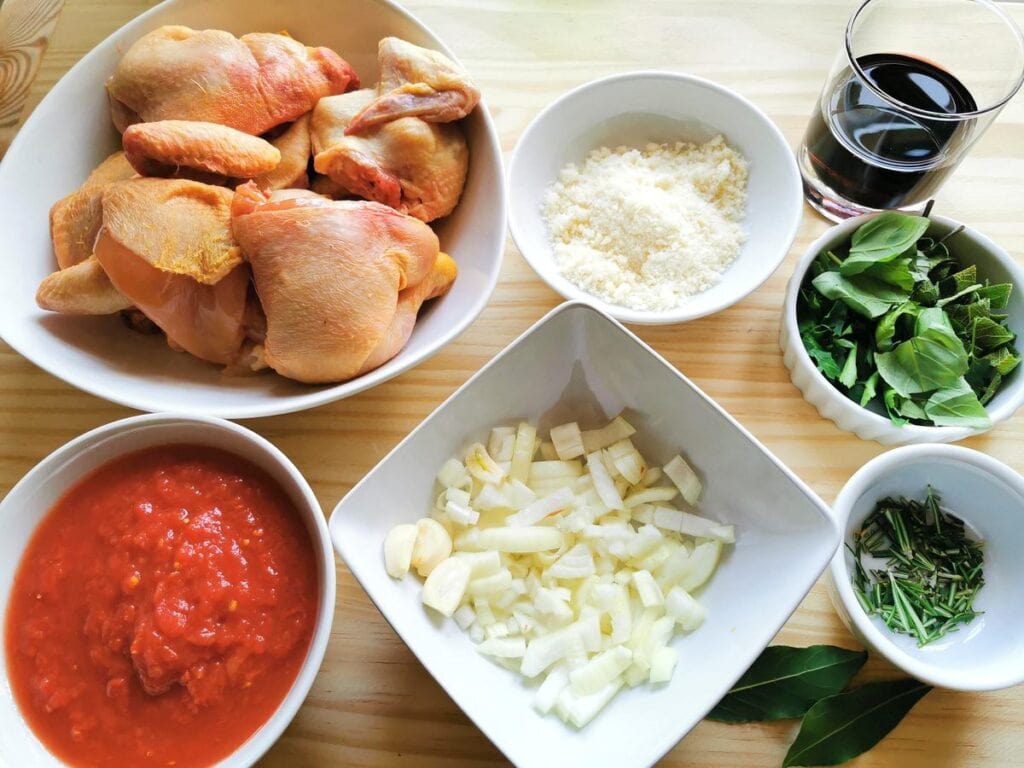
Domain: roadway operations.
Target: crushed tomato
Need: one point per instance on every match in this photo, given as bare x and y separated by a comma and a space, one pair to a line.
162, 610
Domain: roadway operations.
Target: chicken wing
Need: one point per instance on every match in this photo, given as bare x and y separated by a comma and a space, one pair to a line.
416, 82
251, 83
295, 147
330, 276
166, 244
414, 166
163, 147
81, 289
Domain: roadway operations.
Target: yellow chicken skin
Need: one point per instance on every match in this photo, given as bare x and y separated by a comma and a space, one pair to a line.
331, 277
164, 147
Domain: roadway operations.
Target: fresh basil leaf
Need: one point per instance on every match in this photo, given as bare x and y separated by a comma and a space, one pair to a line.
962, 315
926, 293
870, 389
933, 359
959, 295
998, 294
989, 334
848, 376
910, 409
864, 295
957, 406
883, 238
991, 388
923, 262
885, 331
890, 399
840, 727
784, 682
1003, 360
896, 273
822, 358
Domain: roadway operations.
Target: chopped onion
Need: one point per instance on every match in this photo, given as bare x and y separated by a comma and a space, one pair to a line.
603, 482
521, 540
600, 670
647, 588
568, 441
686, 611
501, 442
481, 466
557, 502
503, 647
617, 429
522, 454
686, 480
547, 694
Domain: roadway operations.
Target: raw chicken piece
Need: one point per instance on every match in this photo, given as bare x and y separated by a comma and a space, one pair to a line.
75, 219
81, 289
163, 147
330, 276
416, 82
166, 244
250, 83
295, 148
414, 166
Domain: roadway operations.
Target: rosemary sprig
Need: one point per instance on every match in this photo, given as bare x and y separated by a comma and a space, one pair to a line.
932, 571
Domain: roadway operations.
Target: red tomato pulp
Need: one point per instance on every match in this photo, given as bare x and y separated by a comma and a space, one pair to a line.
162, 610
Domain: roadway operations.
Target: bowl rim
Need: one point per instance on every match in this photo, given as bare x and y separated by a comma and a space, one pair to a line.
250, 750
316, 395
1014, 394
568, 290
828, 519
859, 484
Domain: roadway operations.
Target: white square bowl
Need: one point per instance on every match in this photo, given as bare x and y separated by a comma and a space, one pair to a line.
579, 364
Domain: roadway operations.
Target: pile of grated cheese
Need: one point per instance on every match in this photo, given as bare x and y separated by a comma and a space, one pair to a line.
647, 228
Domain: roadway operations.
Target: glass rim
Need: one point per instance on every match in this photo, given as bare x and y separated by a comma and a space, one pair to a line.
1011, 25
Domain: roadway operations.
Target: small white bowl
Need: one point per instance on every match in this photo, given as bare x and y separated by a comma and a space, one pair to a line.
636, 108
987, 653
51, 156
35, 494
578, 364
968, 247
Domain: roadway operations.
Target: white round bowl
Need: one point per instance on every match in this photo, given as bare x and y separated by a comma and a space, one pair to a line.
50, 158
987, 653
972, 247
634, 109
34, 496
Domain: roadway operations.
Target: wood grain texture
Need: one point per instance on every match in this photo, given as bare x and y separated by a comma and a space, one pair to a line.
25, 29
373, 704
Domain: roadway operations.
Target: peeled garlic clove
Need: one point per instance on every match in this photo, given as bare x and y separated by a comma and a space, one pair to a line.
398, 546
446, 585
432, 545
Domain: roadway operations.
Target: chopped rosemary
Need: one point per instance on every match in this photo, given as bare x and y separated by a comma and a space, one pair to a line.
932, 570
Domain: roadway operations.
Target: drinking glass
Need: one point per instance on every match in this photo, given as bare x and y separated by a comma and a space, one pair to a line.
916, 84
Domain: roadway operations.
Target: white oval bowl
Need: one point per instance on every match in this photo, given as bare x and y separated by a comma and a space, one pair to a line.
35, 495
972, 247
50, 157
987, 653
636, 108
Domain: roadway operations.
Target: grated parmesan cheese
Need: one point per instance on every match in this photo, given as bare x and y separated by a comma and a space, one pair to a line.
646, 229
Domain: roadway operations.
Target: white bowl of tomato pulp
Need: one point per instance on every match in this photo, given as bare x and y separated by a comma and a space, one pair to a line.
167, 585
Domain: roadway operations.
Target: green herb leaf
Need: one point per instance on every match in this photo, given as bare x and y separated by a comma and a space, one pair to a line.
784, 682
884, 238
933, 359
886, 329
989, 334
870, 389
895, 273
957, 406
892, 407
822, 358
998, 294
840, 727
848, 376
864, 295
1003, 360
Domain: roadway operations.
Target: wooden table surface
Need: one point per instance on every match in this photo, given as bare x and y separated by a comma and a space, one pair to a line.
373, 704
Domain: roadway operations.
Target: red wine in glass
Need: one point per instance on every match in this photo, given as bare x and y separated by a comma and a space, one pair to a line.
873, 153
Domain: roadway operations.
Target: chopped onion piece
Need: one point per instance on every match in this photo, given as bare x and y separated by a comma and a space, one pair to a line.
693, 525
568, 441
617, 429
547, 694
663, 664
490, 585
501, 443
452, 474
503, 647
481, 563
522, 454
686, 480
557, 502
650, 496
702, 562
576, 563
627, 460
460, 514
490, 498
555, 470
519, 495
521, 540
464, 616
603, 482
600, 670
580, 710
681, 606
647, 588
547, 452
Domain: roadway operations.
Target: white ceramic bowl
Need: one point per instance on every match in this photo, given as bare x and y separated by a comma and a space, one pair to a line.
582, 365
30, 500
51, 156
988, 653
969, 247
634, 109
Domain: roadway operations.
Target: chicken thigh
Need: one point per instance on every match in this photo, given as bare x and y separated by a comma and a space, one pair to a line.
166, 244
409, 164
251, 83
331, 276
